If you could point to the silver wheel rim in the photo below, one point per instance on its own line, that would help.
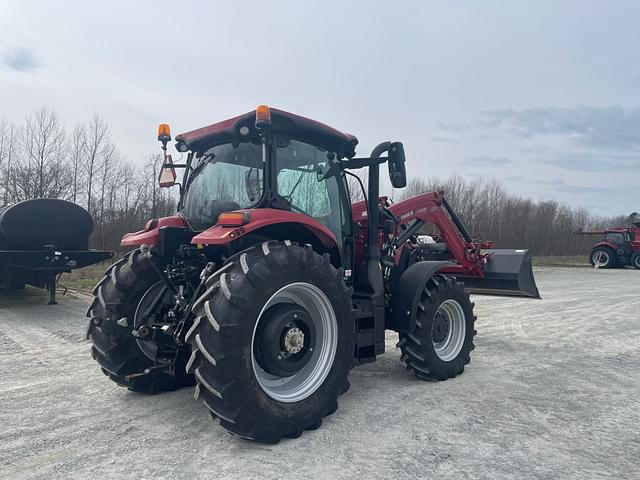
(601, 258)
(450, 347)
(309, 378)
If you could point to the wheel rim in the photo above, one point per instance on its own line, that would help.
(449, 330)
(321, 351)
(159, 295)
(601, 258)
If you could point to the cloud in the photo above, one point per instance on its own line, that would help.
(20, 59)
(452, 126)
(612, 127)
(562, 186)
(486, 162)
(441, 139)
(586, 162)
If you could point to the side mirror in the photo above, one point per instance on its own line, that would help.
(253, 184)
(167, 177)
(397, 169)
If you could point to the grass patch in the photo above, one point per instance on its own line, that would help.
(84, 279)
(576, 261)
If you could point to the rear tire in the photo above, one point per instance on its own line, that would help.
(635, 260)
(117, 297)
(603, 257)
(442, 342)
(239, 338)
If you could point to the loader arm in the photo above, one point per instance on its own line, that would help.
(432, 208)
(485, 270)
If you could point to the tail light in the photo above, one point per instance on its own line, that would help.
(234, 219)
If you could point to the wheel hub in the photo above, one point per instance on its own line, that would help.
(285, 340)
(294, 340)
(154, 313)
(441, 327)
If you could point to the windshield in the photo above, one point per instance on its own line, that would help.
(226, 178)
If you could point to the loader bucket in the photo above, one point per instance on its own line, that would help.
(508, 273)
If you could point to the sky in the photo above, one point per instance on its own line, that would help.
(544, 95)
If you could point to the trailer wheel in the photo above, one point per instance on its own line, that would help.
(603, 257)
(635, 260)
(442, 342)
(273, 341)
(118, 295)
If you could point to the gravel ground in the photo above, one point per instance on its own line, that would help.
(552, 392)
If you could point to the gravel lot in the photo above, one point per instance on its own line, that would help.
(552, 392)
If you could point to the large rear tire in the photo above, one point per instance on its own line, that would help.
(119, 354)
(273, 341)
(442, 342)
(603, 257)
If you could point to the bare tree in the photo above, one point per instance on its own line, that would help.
(8, 140)
(96, 139)
(77, 149)
(40, 167)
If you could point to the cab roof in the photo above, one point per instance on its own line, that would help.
(290, 124)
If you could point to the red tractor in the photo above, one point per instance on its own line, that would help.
(619, 247)
(268, 286)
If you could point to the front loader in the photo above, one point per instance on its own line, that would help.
(268, 286)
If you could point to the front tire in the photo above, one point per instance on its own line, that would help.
(635, 260)
(442, 342)
(273, 341)
(117, 298)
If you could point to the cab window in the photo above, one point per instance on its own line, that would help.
(300, 169)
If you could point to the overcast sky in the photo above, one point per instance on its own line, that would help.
(544, 95)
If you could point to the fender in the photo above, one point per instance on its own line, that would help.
(610, 245)
(407, 292)
(150, 234)
(265, 217)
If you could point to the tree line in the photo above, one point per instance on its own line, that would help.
(490, 212)
(42, 158)
(546, 228)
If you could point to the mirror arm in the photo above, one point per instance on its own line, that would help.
(361, 162)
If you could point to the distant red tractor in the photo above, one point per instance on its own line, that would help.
(620, 246)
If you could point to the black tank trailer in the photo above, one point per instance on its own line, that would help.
(41, 238)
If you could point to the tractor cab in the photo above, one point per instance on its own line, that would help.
(268, 162)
